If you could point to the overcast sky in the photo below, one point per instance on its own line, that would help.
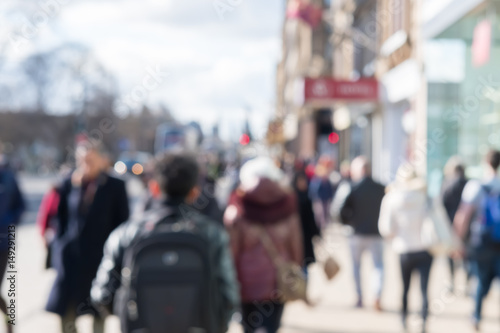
(218, 63)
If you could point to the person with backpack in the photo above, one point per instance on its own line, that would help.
(264, 227)
(169, 269)
(361, 210)
(12, 207)
(404, 209)
(477, 222)
(90, 205)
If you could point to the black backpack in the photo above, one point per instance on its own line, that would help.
(167, 283)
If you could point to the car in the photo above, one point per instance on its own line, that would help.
(132, 162)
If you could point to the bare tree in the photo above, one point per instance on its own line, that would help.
(37, 69)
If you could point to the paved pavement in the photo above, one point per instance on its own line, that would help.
(334, 312)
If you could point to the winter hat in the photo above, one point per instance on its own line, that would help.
(261, 167)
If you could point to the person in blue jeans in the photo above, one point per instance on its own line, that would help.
(321, 192)
(470, 224)
(361, 210)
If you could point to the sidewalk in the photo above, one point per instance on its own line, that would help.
(334, 312)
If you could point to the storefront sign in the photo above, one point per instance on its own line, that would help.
(330, 90)
(481, 43)
(402, 82)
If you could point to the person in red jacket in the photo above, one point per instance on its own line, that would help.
(262, 204)
(47, 213)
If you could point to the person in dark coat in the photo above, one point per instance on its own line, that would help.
(451, 196)
(92, 204)
(309, 227)
(11, 209)
(321, 192)
(361, 211)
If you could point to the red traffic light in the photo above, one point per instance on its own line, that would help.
(244, 139)
(333, 138)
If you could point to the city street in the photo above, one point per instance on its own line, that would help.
(334, 312)
(384, 113)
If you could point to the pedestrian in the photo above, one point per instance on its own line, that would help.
(205, 204)
(404, 209)
(477, 222)
(342, 182)
(321, 193)
(186, 280)
(261, 204)
(47, 221)
(361, 210)
(12, 207)
(309, 227)
(91, 205)
(451, 195)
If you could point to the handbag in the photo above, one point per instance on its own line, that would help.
(290, 279)
(437, 234)
(331, 268)
(330, 265)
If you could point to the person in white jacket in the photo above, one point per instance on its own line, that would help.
(404, 209)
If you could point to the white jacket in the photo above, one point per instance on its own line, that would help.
(403, 211)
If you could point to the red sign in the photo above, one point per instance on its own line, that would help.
(328, 89)
(481, 43)
(307, 12)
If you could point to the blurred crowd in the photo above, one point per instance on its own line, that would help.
(189, 259)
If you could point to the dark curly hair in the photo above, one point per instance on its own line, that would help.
(177, 174)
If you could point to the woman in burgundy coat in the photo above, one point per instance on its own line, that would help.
(262, 204)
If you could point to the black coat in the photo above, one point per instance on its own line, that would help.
(361, 208)
(78, 248)
(452, 195)
(307, 220)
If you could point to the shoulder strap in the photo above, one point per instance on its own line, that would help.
(268, 244)
(160, 215)
(154, 218)
(486, 189)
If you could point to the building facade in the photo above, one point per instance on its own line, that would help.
(463, 83)
(365, 42)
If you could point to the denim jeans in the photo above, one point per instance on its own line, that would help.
(487, 267)
(321, 210)
(375, 245)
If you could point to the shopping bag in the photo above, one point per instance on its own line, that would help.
(437, 233)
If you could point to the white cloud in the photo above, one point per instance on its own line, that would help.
(216, 66)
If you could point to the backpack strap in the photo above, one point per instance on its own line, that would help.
(157, 216)
(486, 188)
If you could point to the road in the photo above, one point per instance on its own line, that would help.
(333, 313)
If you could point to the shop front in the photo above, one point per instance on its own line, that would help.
(464, 89)
(340, 114)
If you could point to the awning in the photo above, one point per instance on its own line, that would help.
(453, 12)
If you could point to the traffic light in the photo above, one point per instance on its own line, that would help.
(244, 139)
(333, 138)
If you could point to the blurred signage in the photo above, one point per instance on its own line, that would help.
(393, 43)
(330, 90)
(402, 82)
(304, 11)
(275, 132)
(481, 43)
